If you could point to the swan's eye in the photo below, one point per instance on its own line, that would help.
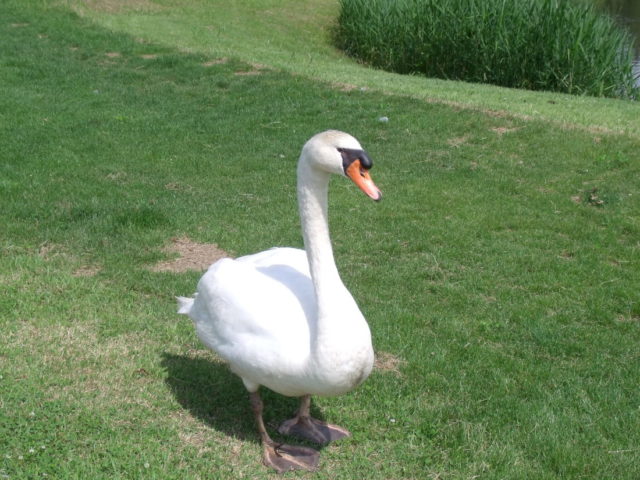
(350, 155)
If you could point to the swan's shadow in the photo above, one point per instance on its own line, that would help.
(217, 397)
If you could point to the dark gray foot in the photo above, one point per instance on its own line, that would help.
(313, 430)
(284, 458)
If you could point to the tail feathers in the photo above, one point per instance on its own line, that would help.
(184, 305)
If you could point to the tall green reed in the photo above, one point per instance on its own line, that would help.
(555, 45)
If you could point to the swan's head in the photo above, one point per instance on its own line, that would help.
(340, 153)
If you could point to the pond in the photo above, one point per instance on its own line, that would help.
(627, 14)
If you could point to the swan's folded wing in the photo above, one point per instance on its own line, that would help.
(255, 316)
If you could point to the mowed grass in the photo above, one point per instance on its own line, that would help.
(296, 36)
(499, 274)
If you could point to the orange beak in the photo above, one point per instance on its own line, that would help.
(362, 179)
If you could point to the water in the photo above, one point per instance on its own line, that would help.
(627, 14)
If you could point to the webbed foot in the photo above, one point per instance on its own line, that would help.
(313, 430)
(284, 458)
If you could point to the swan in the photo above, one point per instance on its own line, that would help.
(283, 319)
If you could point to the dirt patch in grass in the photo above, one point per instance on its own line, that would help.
(594, 129)
(628, 318)
(217, 61)
(248, 73)
(388, 362)
(192, 256)
(502, 130)
(256, 69)
(120, 6)
(46, 250)
(86, 271)
(178, 187)
(116, 176)
(458, 141)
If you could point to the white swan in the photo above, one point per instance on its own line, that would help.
(282, 318)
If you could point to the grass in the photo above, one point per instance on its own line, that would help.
(500, 271)
(537, 44)
(294, 36)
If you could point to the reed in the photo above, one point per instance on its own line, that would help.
(551, 45)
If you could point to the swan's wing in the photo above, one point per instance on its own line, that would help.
(257, 311)
(291, 257)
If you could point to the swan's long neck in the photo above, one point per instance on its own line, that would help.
(313, 186)
(341, 351)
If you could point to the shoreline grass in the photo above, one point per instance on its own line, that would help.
(499, 272)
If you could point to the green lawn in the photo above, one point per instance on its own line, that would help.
(500, 274)
(294, 36)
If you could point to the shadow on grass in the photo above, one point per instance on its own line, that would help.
(216, 396)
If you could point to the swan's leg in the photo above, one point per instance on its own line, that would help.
(305, 426)
(281, 457)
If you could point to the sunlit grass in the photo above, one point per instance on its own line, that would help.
(295, 36)
(499, 273)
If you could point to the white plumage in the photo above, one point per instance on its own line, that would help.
(282, 318)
